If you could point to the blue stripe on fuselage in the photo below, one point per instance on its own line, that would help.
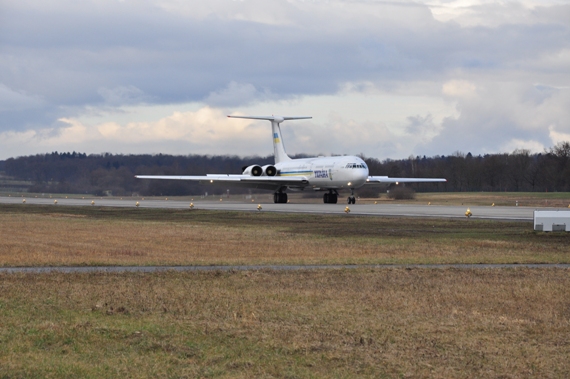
(296, 173)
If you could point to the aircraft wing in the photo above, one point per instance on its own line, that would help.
(386, 179)
(248, 181)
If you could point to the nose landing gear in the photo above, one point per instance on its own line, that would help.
(351, 199)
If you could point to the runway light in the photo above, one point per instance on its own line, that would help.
(55, 201)
(429, 202)
(375, 202)
(259, 207)
(191, 205)
(211, 181)
(349, 184)
(220, 199)
(468, 213)
(347, 210)
(493, 204)
(137, 204)
(24, 201)
(92, 202)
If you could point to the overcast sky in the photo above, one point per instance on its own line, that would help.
(387, 79)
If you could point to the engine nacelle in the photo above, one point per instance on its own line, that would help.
(253, 170)
(269, 170)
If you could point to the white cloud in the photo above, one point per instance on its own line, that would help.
(518, 144)
(557, 136)
(207, 126)
(491, 13)
(458, 88)
(206, 131)
(388, 79)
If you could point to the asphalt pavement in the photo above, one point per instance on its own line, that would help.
(380, 209)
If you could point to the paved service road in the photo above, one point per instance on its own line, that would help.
(121, 269)
(441, 211)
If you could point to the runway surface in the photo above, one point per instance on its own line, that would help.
(381, 209)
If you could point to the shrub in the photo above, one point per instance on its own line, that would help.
(401, 193)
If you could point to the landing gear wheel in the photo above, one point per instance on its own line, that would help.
(330, 198)
(279, 197)
(351, 200)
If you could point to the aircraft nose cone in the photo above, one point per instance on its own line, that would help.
(360, 178)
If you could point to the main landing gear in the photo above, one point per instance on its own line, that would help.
(279, 197)
(331, 197)
(351, 199)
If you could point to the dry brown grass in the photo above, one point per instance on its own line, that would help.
(503, 323)
(89, 236)
(524, 199)
(328, 323)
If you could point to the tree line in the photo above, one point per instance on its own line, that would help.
(102, 174)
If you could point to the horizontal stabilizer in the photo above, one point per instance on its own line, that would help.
(278, 119)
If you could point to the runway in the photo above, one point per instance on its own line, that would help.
(381, 209)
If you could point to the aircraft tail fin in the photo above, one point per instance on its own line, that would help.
(278, 147)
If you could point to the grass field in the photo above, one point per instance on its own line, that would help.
(393, 323)
(510, 323)
(523, 199)
(43, 235)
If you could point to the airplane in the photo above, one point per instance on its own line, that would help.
(329, 174)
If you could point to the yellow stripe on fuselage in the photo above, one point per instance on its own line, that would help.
(296, 173)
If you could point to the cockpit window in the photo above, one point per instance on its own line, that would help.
(355, 165)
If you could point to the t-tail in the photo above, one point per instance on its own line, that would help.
(278, 148)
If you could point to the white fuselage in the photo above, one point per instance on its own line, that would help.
(327, 172)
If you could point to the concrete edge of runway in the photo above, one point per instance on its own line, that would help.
(152, 269)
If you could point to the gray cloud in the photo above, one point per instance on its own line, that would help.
(59, 57)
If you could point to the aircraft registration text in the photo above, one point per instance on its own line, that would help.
(321, 174)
